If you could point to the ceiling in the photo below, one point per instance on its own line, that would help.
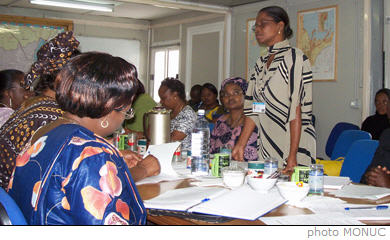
(142, 9)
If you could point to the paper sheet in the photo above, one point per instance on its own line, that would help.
(183, 198)
(243, 203)
(204, 182)
(164, 153)
(321, 204)
(362, 191)
(333, 182)
(334, 218)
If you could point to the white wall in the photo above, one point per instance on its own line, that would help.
(97, 27)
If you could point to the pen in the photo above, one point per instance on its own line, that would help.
(204, 200)
(379, 207)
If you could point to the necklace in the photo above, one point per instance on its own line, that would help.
(234, 123)
(181, 108)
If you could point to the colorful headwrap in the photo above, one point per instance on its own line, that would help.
(52, 56)
(237, 80)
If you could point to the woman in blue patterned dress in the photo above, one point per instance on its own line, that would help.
(228, 127)
(69, 174)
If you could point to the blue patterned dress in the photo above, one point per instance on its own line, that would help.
(70, 176)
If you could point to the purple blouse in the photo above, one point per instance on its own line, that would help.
(223, 134)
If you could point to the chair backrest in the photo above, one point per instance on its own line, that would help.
(9, 210)
(345, 141)
(335, 133)
(358, 158)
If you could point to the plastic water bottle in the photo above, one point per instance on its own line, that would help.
(270, 166)
(316, 179)
(200, 141)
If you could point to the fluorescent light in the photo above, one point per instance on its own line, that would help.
(75, 4)
(161, 6)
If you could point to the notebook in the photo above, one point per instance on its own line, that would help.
(242, 203)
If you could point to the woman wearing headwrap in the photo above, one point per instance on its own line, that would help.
(36, 111)
(228, 127)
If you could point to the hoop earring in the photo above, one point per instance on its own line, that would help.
(104, 124)
(10, 102)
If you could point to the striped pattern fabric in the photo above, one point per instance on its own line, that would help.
(286, 84)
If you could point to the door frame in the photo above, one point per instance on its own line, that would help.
(198, 30)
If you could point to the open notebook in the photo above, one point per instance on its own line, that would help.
(243, 202)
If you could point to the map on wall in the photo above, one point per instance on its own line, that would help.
(317, 38)
(253, 50)
(20, 41)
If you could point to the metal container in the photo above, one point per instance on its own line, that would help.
(157, 125)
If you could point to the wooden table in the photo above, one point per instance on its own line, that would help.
(148, 191)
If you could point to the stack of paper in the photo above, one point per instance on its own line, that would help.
(368, 214)
(362, 191)
(333, 182)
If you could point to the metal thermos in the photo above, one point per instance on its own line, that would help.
(157, 125)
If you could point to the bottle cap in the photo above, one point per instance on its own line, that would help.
(201, 112)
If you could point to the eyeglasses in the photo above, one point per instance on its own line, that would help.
(233, 94)
(129, 114)
(381, 102)
(263, 23)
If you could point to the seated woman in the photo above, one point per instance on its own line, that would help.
(209, 96)
(11, 93)
(375, 124)
(183, 117)
(195, 97)
(143, 103)
(39, 110)
(228, 127)
(71, 174)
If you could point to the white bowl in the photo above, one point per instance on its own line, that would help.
(261, 184)
(292, 191)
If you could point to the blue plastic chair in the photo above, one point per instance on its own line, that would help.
(358, 158)
(345, 140)
(10, 213)
(335, 133)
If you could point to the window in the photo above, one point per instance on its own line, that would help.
(165, 63)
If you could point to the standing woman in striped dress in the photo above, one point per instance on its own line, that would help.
(279, 96)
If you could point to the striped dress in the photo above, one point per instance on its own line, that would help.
(286, 84)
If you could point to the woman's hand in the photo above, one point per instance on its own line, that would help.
(378, 177)
(151, 165)
(239, 148)
(131, 158)
(238, 152)
(291, 163)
